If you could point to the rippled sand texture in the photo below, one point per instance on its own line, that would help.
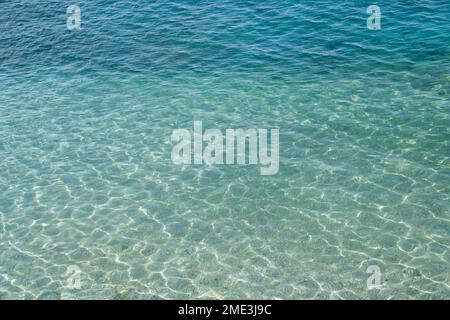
(86, 177)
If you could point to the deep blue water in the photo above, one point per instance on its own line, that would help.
(86, 177)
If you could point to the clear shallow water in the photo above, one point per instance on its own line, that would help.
(86, 177)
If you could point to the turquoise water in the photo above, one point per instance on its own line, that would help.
(86, 177)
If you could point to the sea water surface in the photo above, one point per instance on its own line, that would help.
(86, 177)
